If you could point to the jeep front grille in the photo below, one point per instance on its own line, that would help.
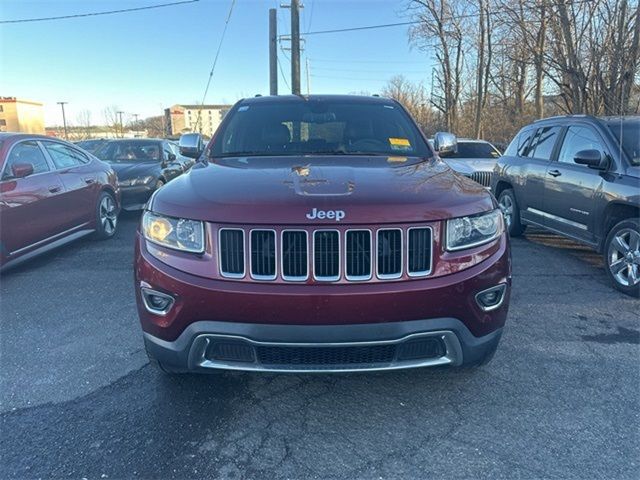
(326, 255)
(483, 178)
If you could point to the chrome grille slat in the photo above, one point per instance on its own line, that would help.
(295, 256)
(419, 251)
(358, 255)
(326, 255)
(263, 254)
(483, 178)
(389, 253)
(231, 257)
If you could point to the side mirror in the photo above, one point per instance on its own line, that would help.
(445, 143)
(191, 145)
(172, 157)
(591, 158)
(21, 170)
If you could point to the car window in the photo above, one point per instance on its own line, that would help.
(542, 145)
(129, 151)
(64, 156)
(579, 138)
(475, 150)
(524, 140)
(628, 135)
(26, 152)
(334, 127)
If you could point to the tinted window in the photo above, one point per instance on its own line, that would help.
(319, 127)
(130, 151)
(524, 140)
(63, 156)
(628, 133)
(28, 153)
(475, 150)
(543, 143)
(578, 138)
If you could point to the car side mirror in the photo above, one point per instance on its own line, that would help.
(591, 158)
(21, 170)
(191, 145)
(445, 143)
(172, 157)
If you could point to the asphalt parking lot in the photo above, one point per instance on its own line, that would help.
(79, 399)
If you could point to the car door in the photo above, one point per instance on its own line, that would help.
(570, 188)
(530, 185)
(79, 180)
(30, 207)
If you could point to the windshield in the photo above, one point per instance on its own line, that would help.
(475, 150)
(628, 133)
(319, 127)
(129, 151)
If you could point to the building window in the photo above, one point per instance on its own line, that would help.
(3, 122)
(1, 108)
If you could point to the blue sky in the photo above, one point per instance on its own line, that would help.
(144, 61)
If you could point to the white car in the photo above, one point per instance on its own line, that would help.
(472, 158)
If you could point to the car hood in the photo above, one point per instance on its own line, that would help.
(470, 165)
(127, 171)
(283, 190)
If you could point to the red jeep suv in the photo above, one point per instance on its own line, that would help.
(320, 233)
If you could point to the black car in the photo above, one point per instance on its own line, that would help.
(142, 166)
(91, 145)
(578, 176)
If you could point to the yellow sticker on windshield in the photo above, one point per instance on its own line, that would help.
(399, 143)
(396, 159)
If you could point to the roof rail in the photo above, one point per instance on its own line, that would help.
(573, 115)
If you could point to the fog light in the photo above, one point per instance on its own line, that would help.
(491, 298)
(156, 302)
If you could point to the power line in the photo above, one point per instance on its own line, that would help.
(215, 60)
(444, 19)
(284, 77)
(94, 14)
(368, 71)
(325, 60)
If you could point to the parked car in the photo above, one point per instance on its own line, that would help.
(185, 162)
(475, 159)
(578, 176)
(51, 192)
(142, 165)
(320, 233)
(91, 145)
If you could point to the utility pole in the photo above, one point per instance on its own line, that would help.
(295, 47)
(273, 52)
(64, 120)
(121, 126)
(306, 61)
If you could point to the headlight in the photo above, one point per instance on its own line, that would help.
(467, 232)
(176, 233)
(136, 181)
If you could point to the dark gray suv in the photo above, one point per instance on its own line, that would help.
(578, 176)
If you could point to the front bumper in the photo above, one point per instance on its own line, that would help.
(136, 197)
(208, 346)
(323, 321)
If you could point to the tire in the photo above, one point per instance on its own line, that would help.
(622, 256)
(106, 216)
(509, 206)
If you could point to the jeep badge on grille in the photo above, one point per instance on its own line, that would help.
(337, 215)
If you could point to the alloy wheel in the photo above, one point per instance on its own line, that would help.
(108, 215)
(506, 205)
(624, 257)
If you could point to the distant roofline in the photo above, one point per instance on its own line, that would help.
(202, 107)
(18, 100)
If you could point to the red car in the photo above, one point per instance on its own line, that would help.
(51, 192)
(320, 233)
